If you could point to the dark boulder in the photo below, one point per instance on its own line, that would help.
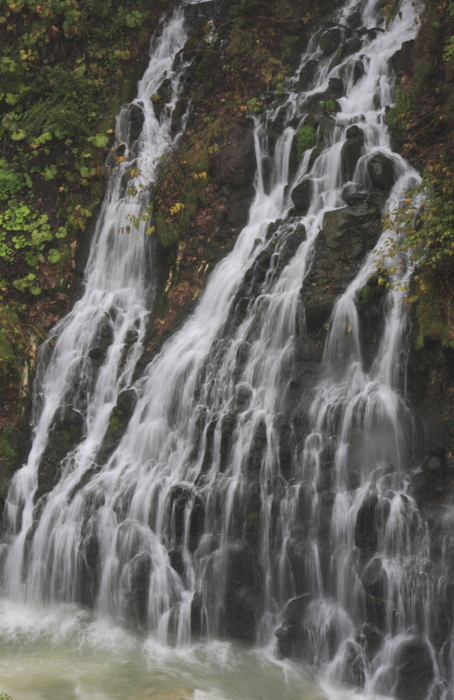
(199, 11)
(335, 88)
(162, 96)
(352, 196)
(330, 40)
(351, 151)
(302, 195)
(242, 600)
(355, 20)
(102, 341)
(257, 449)
(381, 171)
(415, 669)
(136, 121)
(402, 60)
(354, 664)
(374, 582)
(65, 433)
(292, 635)
(326, 128)
(236, 163)
(136, 596)
(307, 75)
(119, 419)
(239, 204)
(358, 70)
(347, 235)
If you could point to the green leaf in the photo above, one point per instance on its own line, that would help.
(19, 135)
(100, 140)
(53, 256)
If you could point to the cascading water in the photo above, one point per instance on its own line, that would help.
(254, 489)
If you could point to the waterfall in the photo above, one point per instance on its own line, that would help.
(260, 489)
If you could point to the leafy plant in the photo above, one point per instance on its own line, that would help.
(305, 138)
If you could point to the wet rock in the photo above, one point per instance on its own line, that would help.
(350, 47)
(243, 396)
(65, 433)
(354, 671)
(102, 342)
(355, 20)
(199, 11)
(402, 60)
(257, 449)
(138, 588)
(352, 196)
(366, 533)
(374, 583)
(313, 118)
(276, 127)
(302, 195)
(126, 402)
(330, 40)
(198, 618)
(307, 75)
(119, 419)
(136, 121)
(239, 204)
(347, 235)
(236, 164)
(335, 88)
(242, 599)
(358, 70)
(381, 172)
(177, 561)
(326, 128)
(373, 637)
(286, 445)
(415, 669)
(351, 151)
(228, 425)
(162, 96)
(89, 568)
(370, 301)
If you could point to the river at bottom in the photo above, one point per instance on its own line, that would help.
(63, 653)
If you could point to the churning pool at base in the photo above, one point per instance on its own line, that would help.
(63, 653)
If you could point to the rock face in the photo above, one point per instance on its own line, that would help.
(415, 670)
(351, 151)
(347, 235)
(236, 163)
(302, 195)
(381, 172)
(136, 120)
(330, 40)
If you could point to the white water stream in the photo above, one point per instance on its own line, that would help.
(188, 528)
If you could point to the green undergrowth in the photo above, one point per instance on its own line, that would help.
(66, 66)
(422, 123)
(427, 238)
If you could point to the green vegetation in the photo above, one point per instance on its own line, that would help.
(66, 66)
(422, 122)
(429, 241)
(305, 138)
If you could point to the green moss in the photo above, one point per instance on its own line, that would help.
(114, 426)
(7, 453)
(330, 106)
(399, 117)
(367, 294)
(305, 138)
